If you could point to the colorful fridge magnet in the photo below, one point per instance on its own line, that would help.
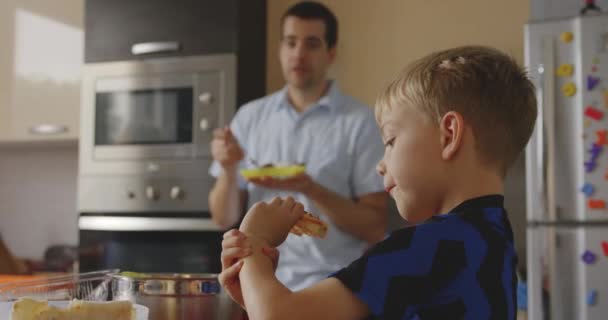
(592, 82)
(595, 151)
(593, 113)
(592, 297)
(589, 257)
(596, 204)
(565, 70)
(602, 137)
(589, 166)
(605, 248)
(566, 37)
(596, 60)
(605, 96)
(593, 68)
(587, 189)
(569, 89)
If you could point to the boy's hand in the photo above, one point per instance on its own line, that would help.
(236, 246)
(272, 221)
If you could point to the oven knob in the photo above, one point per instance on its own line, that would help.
(176, 193)
(152, 193)
(204, 124)
(205, 98)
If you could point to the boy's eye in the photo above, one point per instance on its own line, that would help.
(389, 142)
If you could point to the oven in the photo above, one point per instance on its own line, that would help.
(144, 154)
(174, 243)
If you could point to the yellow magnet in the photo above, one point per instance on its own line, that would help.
(569, 89)
(565, 70)
(566, 37)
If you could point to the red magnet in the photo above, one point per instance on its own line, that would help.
(596, 204)
(602, 137)
(593, 113)
(605, 248)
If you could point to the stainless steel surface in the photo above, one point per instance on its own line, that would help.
(177, 296)
(155, 47)
(126, 193)
(101, 223)
(561, 228)
(48, 129)
(142, 177)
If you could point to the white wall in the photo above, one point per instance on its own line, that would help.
(38, 197)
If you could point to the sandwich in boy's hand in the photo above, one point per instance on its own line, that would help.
(310, 225)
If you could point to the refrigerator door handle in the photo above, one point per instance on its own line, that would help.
(541, 245)
(545, 139)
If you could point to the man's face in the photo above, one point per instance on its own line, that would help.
(303, 52)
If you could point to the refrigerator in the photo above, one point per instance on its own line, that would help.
(567, 170)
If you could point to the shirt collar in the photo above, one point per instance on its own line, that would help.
(331, 100)
(489, 201)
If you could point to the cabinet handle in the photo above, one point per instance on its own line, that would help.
(45, 129)
(155, 47)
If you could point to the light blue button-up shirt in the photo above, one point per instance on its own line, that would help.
(340, 144)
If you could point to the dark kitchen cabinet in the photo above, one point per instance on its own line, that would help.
(188, 27)
(199, 26)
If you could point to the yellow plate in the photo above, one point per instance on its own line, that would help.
(274, 172)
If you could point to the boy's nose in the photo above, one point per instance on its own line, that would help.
(381, 168)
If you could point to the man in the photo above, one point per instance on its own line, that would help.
(309, 121)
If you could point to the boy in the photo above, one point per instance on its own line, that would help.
(452, 124)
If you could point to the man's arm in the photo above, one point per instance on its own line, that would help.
(226, 200)
(365, 217)
(266, 298)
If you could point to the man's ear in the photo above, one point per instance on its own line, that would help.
(451, 132)
(332, 54)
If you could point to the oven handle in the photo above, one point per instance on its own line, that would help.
(146, 224)
(155, 47)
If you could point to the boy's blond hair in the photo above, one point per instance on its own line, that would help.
(489, 89)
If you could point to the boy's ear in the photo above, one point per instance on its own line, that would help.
(451, 132)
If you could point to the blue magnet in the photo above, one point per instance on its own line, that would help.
(587, 189)
(592, 297)
(589, 166)
(592, 82)
(589, 257)
(595, 151)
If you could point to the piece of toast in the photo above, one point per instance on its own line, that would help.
(310, 225)
(29, 309)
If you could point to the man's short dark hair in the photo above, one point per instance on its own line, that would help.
(311, 10)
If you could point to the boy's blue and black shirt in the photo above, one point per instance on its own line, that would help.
(459, 265)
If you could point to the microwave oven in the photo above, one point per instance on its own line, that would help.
(146, 129)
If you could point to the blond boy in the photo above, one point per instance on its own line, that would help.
(452, 124)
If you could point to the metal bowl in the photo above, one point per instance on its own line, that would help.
(177, 296)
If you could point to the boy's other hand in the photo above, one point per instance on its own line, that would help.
(272, 221)
(225, 149)
(236, 246)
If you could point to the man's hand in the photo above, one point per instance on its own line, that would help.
(225, 149)
(271, 222)
(301, 183)
(235, 247)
